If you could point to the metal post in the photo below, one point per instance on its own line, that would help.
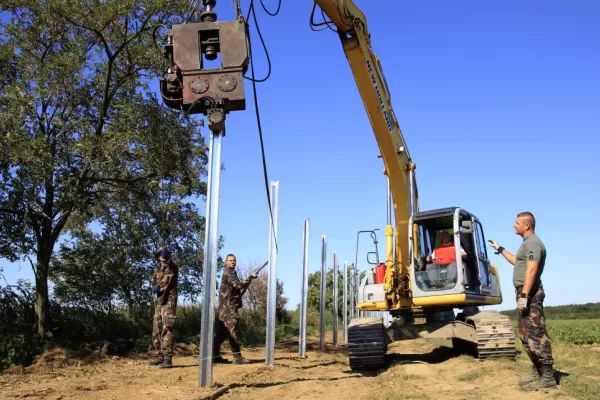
(211, 239)
(357, 312)
(323, 289)
(351, 287)
(345, 305)
(335, 300)
(272, 289)
(304, 294)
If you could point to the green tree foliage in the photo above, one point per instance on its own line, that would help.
(17, 344)
(80, 127)
(314, 290)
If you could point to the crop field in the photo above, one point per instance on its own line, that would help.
(577, 331)
(572, 331)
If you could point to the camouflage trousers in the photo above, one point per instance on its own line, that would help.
(532, 329)
(226, 327)
(162, 328)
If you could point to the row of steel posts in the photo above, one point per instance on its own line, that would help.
(349, 286)
(350, 283)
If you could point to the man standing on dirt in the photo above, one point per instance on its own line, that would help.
(529, 265)
(164, 285)
(230, 301)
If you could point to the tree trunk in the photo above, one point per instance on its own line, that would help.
(130, 306)
(42, 311)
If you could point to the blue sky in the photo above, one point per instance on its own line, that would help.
(498, 102)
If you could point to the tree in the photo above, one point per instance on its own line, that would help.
(79, 122)
(256, 295)
(314, 290)
(122, 254)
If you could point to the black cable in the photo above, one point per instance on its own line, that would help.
(257, 110)
(313, 24)
(272, 14)
(252, 11)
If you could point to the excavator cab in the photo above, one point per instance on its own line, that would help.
(467, 276)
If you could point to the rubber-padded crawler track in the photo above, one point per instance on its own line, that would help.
(367, 343)
(495, 335)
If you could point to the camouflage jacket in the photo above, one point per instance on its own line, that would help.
(230, 291)
(166, 276)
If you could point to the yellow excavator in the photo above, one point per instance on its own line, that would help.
(436, 260)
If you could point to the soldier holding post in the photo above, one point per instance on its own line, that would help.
(230, 301)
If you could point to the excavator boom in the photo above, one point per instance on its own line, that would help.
(352, 29)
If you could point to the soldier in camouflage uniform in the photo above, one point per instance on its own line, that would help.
(529, 265)
(230, 301)
(164, 285)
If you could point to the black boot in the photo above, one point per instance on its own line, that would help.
(546, 380)
(167, 363)
(156, 361)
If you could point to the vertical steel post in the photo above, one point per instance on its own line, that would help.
(351, 288)
(345, 305)
(335, 300)
(272, 288)
(211, 239)
(304, 294)
(357, 312)
(323, 289)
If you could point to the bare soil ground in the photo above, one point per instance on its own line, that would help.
(419, 369)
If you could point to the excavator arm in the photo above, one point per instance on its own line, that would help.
(192, 87)
(353, 31)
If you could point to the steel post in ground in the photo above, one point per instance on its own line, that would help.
(323, 289)
(357, 312)
(335, 300)
(272, 288)
(304, 292)
(351, 289)
(345, 305)
(211, 239)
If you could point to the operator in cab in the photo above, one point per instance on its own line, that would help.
(443, 262)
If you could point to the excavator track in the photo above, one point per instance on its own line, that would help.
(367, 343)
(495, 335)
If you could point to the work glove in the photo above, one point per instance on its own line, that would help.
(522, 303)
(496, 246)
(155, 288)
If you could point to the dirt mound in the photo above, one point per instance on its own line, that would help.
(54, 358)
(57, 358)
(186, 349)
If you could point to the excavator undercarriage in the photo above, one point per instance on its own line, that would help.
(484, 335)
